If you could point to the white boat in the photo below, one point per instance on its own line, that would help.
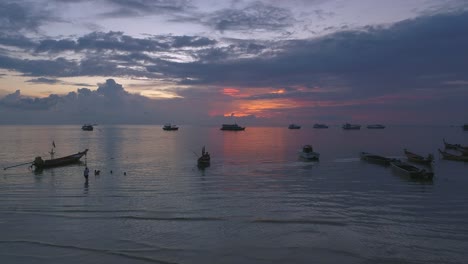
(320, 126)
(376, 126)
(351, 126)
(308, 153)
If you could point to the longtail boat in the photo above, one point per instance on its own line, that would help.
(457, 147)
(411, 171)
(413, 157)
(376, 158)
(205, 159)
(450, 156)
(39, 163)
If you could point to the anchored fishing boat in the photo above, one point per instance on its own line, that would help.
(232, 127)
(411, 171)
(39, 163)
(413, 157)
(348, 126)
(204, 160)
(87, 127)
(294, 126)
(450, 156)
(376, 158)
(307, 153)
(170, 127)
(458, 147)
(320, 126)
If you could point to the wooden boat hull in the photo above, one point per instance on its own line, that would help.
(292, 126)
(320, 126)
(231, 127)
(170, 128)
(376, 159)
(42, 164)
(449, 156)
(411, 171)
(418, 158)
(351, 127)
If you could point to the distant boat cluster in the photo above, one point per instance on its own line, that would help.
(412, 171)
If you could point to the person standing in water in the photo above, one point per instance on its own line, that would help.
(86, 173)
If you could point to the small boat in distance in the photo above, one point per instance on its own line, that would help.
(465, 127)
(376, 126)
(232, 127)
(411, 171)
(376, 158)
(39, 163)
(349, 126)
(204, 160)
(320, 126)
(450, 156)
(169, 127)
(294, 126)
(87, 127)
(308, 153)
(413, 157)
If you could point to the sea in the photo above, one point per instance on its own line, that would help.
(256, 203)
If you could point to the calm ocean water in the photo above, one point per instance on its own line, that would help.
(256, 203)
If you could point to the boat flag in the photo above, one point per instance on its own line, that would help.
(53, 143)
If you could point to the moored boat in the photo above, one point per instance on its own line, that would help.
(308, 153)
(411, 171)
(232, 127)
(87, 127)
(413, 157)
(294, 126)
(376, 158)
(170, 127)
(458, 147)
(39, 163)
(320, 126)
(376, 126)
(204, 160)
(465, 127)
(349, 126)
(450, 156)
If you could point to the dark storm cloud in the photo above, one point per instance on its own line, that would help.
(373, 60)
(44, 80)
(118, 41)
(15, 40)
(130, 8)
(256, 15)
(17, 15)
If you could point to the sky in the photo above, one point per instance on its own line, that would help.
(257, 63)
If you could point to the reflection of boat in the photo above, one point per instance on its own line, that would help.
(450, 156)
(39, 163)
(87, 127)
(232, 127)
(294, 126)
(376, 126)
(418, 158)
(204, 159)
(376, 158)
(308, 153)
(411, 171)
(348, 126)
(169, 127)
(320, 126)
